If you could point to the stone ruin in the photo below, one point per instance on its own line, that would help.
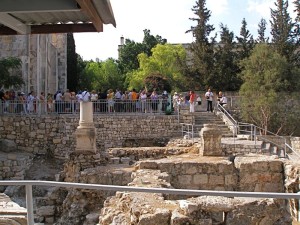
(180, 165)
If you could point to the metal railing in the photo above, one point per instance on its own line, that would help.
(255, 133)
(29, 197)
(114, 106)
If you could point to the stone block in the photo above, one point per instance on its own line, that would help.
(179, 219)
(276, 166)
(45, 211)
(187, 207)
(231, 180)
(216, 180)
(148, 165)
(200, 179)
(115, 160)
(184, 180)
(125, 160)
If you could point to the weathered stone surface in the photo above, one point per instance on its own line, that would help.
(46, 210)
(58, 132)
(10, 212)
(8, 145)
(210, 141)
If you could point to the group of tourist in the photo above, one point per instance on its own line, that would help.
(68, 101)
(194, 99)
(107, 101)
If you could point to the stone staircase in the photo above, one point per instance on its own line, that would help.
(202, 118)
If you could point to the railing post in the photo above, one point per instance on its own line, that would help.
(29, 204)
(178, 113)
(255, 135)
(284, 147)
(193, 133)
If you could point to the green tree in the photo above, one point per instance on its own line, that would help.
(245, 41)
(151, 41)
(261, 31)
(128, 60)
(266, 79)
(203, 47)
(83, 81)
(104, 75)
(128, 55)
(157, 82)
(162, 61)
(281, 30)
(226, 68)
(296, 32)
(10, 74)
(72, 77)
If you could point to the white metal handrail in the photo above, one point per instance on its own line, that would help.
(29, 183)
(253, 131)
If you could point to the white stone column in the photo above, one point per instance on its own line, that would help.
(86, 131)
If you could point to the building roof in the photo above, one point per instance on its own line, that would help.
(54, 16)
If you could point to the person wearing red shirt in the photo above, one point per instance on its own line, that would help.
(192, 101)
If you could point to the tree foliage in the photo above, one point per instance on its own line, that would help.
(262, 32)
(245, 41)
(281, 30)
(203, 47)
(104, 75)
(83, 80)
(10, 74)
(266, 77)
(72, 74)
(163, 61)
(128, 55)
(226, 67)
(157, 82)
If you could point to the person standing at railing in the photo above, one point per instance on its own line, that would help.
(117, 98)
(209, 99)
(192, 101)
(6, 101)
(30, 102)
(110, 100)
(165, 97)
(102, 99)
(143, 99)
(2, 101)
(49, 103)
(94, 99)
(58, 102)
(154, 101)
(66, 101)
(42, 103)
(223, 101)
(175, 101)
(133, 96)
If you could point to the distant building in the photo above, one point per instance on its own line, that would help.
(44, 60)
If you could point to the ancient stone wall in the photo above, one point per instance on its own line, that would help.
(259, 174)
(54, 135)
(13, 165)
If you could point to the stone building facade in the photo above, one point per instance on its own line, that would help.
(44, 60)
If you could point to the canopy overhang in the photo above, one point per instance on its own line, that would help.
(54, 16)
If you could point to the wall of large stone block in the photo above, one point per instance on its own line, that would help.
(252, 174)
(13, 165)
(55, 135)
